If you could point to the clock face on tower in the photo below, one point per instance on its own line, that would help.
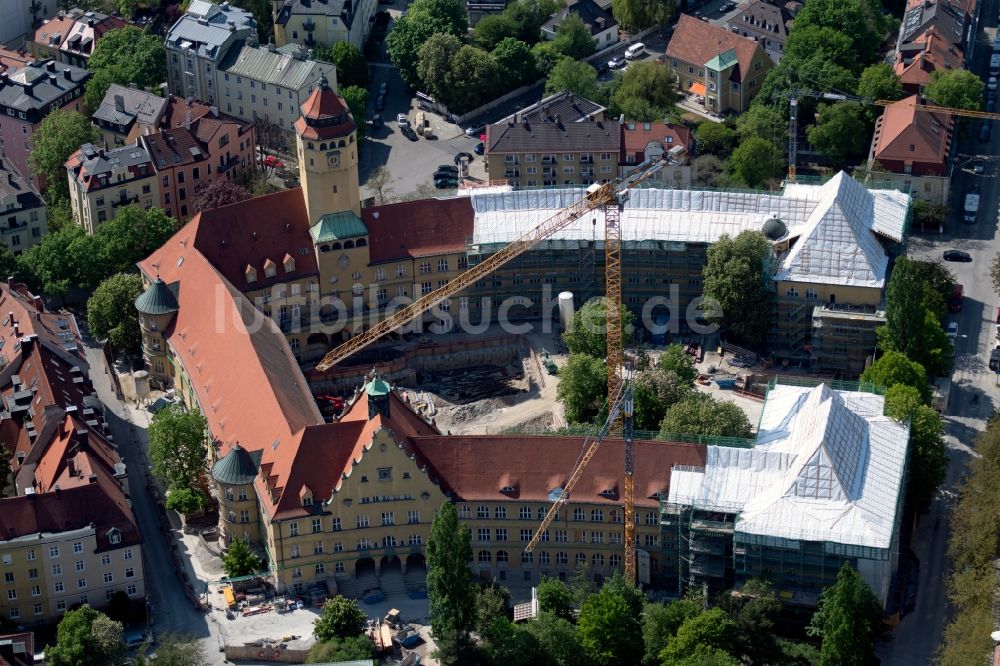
(333, 159)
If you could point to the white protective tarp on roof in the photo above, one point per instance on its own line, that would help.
(832, 222)
(827, 467)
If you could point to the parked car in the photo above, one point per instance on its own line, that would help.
(952, 331)
(450, 168)
(984, 132)
(408, 132)
(380, 103)
(602, 68)
(402, 120)
(475, 130)
(383, 89)
(957, 255)
(480, 148)
(978, 167)
(635, 51)
(445, 183)
(273, 162)
(727, 7)
(991, 83)
(617, 62)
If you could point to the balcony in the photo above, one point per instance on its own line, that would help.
(548, 160)
(309, 41)
(587, 159)
(125, 201)
(309, 25)
(512, 173)
(227, 165)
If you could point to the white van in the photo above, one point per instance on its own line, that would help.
(634, 51)
(995, 64)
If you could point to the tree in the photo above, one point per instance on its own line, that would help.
(130, 237)
(709, 171)
(735, 278)
(123, 56)
(573, 38)
(938, 283)
(423, 19)
(352, 68)
(956, 88)
(928, 457)
(347, 649)
(111, 313)
(185, 501)
(648, 82)
(848, 620)
(516, 64)
(879, 81)
(529, 15)
(763, 122)
(929, 215)
(582, 387)
(177, 446)
(753, 612)
(559, 640)
(474, 78)
(840, 132)
(449, 586)
(434, 67)
(715, 138)
(492, 605)
(701, 414)
(660, 623)
(676, 360)
(508, 644)
(239, 560)
(914, 307)
(587, 333)
(64, 259)
(379, 184)
(58, 136)
(341, 618)
(175, 650)
(893, 368)
(218, 192)
(654, 390)
(610, 625)
(493, 29)
(357, 102)
(636, 15)
(755, 161)
(87, 637)
(554, 597)
(864, 21)
(710, 631)
(575, 76)
(806, 42)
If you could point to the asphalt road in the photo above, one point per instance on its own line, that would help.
(974, 393)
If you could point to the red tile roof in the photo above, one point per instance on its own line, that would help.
(420, 228)
(13, 59)
(905, 134)
(914, 67)
(324, 115)
(696, 42)
(636, 136)
(60, 25)
(174, 147)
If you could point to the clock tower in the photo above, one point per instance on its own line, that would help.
(326, 142)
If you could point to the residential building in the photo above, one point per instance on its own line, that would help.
(29, 94)
(101, 182)
(22, 210)
(313, 23)
(919, 58)
(602, 25)
(126, 113)
(570, 107)
(198, 42)
(19, 18)
(950, 19)
(552, 152)
(267, 85)
(70, 534)
(821, 487)
(78, 45)
(645, 142)
(913, 150)
(11, 60)
(17, 649)
(49, 37)
(768, 24)
(724, 69)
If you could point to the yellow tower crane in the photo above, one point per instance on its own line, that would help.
(609, 197)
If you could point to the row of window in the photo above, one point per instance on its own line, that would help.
(579, 514)
(39, 609)
(388, 541)
(544, 558)
(388, 518)
(60, 587)
(483, 534)
(55, 551)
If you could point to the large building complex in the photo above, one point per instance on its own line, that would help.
(70, 535)
(314, 23)
(22, 220)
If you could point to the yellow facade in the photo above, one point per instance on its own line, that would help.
(329, 175)
(93, 208)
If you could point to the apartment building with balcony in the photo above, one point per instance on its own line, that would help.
(102, 182)
(29, 94)
(313, 23)
(22, 210)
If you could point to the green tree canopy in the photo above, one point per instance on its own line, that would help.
(516, 64)
(341, 618)
(715, 138)
(808, 41)
(434, 68)
(928, 457)
(701, 414)
(185, 501)
(864, 21)
(735, 278)
(352, 68)
(530, 15)
(87, 637)
(493, 29)
(915, 299)
(558, 639)
(879, 81)
(573, 38)
(131, 236)
(575, 76)
(335, 651)
(893, 368)
(753, 612)
(654, 390)
(660, 623)
(610, 625)
(705, 633)
(492, 605)
(474, 78)
(848, 620)
(449, 586)
(503, 642)
(218, 192)
(554, 597)
(648, 82)
(636, 15)
(676, 360)
(956, 88)
(423, 19)
(840, 132)
(356, 99)
(240, 560)
(175, 650)
(111, 313)
(63, 260)
(587, 333)
(763, 122)
(756, 161)
(123, 56)
(583, 387)
(58, 136)
(177, 446)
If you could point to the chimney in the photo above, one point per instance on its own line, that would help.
(81, 437)
(119, 104)
(37, 302)
(51, 66)
(71, 466)
(68, 74)
(92, 478)
(187, 119)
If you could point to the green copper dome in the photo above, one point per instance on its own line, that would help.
(774, 229)
(377, 386)
(236, 468)
(158, 299)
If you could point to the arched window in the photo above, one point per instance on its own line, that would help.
(348, 245)
(581, 559)
(526, 557)
(341, 143)
(322, 146)
(597, 560)
(361, 242)
(311, 145)
(484, 556)
(502, 556)
(335, 246)
(561, 558)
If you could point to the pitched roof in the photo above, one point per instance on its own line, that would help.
(238, 467)
(205, 28)
(570, 107)
(697, 42)
(157, 299)
(344, 10)
(324, 114)
(288, 66)
(592, 14)
(947, 17)
(174, 147)
(87, 30)
(21, 190)
(338, 226)
(918, 59)
(553, 136)
(93, 167)
(135, 105)
(637, 136)
(10, 59)
(906, 134)
(764, 17)
(39, 84)
(421, 228)
(54, 31)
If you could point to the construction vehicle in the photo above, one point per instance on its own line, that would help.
(793, 116)
(610, 197)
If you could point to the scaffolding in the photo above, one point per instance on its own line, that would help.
(700, 542)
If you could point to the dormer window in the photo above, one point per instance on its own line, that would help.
(307, 501)
(289, 263)
(251, 274)
(270, 268)
(114, 535)
(508, 490)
